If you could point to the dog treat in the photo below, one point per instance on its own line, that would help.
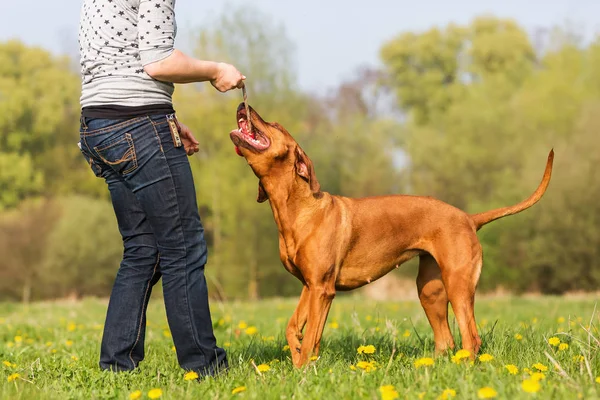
(247, 108)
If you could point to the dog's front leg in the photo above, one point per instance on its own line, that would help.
(294, 329)
(319, 302)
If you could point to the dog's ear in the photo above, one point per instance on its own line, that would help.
(305, 169)
(262, 194)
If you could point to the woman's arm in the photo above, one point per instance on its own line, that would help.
(180, 68)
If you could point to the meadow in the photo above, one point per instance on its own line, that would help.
(533, 347)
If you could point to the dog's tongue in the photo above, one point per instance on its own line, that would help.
(237, 150)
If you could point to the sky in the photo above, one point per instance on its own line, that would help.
(332, 38)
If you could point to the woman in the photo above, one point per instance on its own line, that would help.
(131, 138)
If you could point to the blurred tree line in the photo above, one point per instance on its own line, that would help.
(463, 113)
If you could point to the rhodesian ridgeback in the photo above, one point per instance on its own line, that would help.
(335, 243)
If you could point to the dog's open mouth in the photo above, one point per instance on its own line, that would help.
(242, 137)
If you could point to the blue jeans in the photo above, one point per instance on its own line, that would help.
(153, 195)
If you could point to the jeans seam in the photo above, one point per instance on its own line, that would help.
(187, 302)
(139, 332)
(115, 126)
(157, 137)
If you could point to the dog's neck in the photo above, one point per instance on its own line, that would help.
(289, 201)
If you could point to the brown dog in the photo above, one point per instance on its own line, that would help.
(335, 243)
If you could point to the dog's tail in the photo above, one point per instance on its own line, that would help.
(489, 216)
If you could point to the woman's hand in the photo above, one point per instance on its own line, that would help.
(227, 78)
(190, 144)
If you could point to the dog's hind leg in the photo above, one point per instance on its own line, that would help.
(434, 300)
(293, 333)
(460, 274)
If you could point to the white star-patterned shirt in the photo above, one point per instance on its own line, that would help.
(117, 38)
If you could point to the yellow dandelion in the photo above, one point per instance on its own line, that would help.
(251, 330)
(352, 367)
(448, 394)
(7, 364)
(74, 358)
(314, 358)
(563, 346)
(49, 344)
(540, 367)
(388, 392)
(167, 333)
(534, 320)
(578, 358)
(227, 344)
(518, 336)
(369, 318)
(369, 349)
(242, 325)
(554, 341)
(268, 338)
(71, 327)
(486, 393)
(486, 357)
(421, 395)
(560, 320)
(190, 376)
(10, 344)
(460, 355)
(263, 367)
(286, 347)
(13, 377)
(406, 333)
(155, 393)
(135, 395)
(334, 325)
(173, 348)
(424, 362)
(238, 389)
(367, 366)
(530, 386)
(68, 343)
(598, 379)
(18, 339)
(512, 369)
(537, 376)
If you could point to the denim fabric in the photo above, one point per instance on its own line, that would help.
(153, 195)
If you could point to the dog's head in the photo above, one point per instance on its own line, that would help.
(271, 151)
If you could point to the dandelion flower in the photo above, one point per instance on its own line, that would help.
(286, 347)
(68, 343)
(388, 392)
(242, 325)
(369, 318)
(49, 344)
(352, 367)
(251, 330)
(578, 358)
(540, 367)
(424, 362)
(518, 336)
(7, 364)
(486, 393)
(13, 377)
(135, 395)
(537, 376)
(369, 349)
(367, 366)
(530, 386)
(560, 320)
(74, 358)
(155, 393)
(598, 379)
(448, 394)
(190, 376)
(314, 358)
(512, 369)
(554, 341)
(334, 325)
(460, 355)
(406, 333)
(563, 346)
(238, 389)
(421, 395)
(71, 327)
(263, 367)
(486, 357)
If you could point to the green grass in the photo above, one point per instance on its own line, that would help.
(49, 368)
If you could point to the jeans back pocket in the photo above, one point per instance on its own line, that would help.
(119, 154)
